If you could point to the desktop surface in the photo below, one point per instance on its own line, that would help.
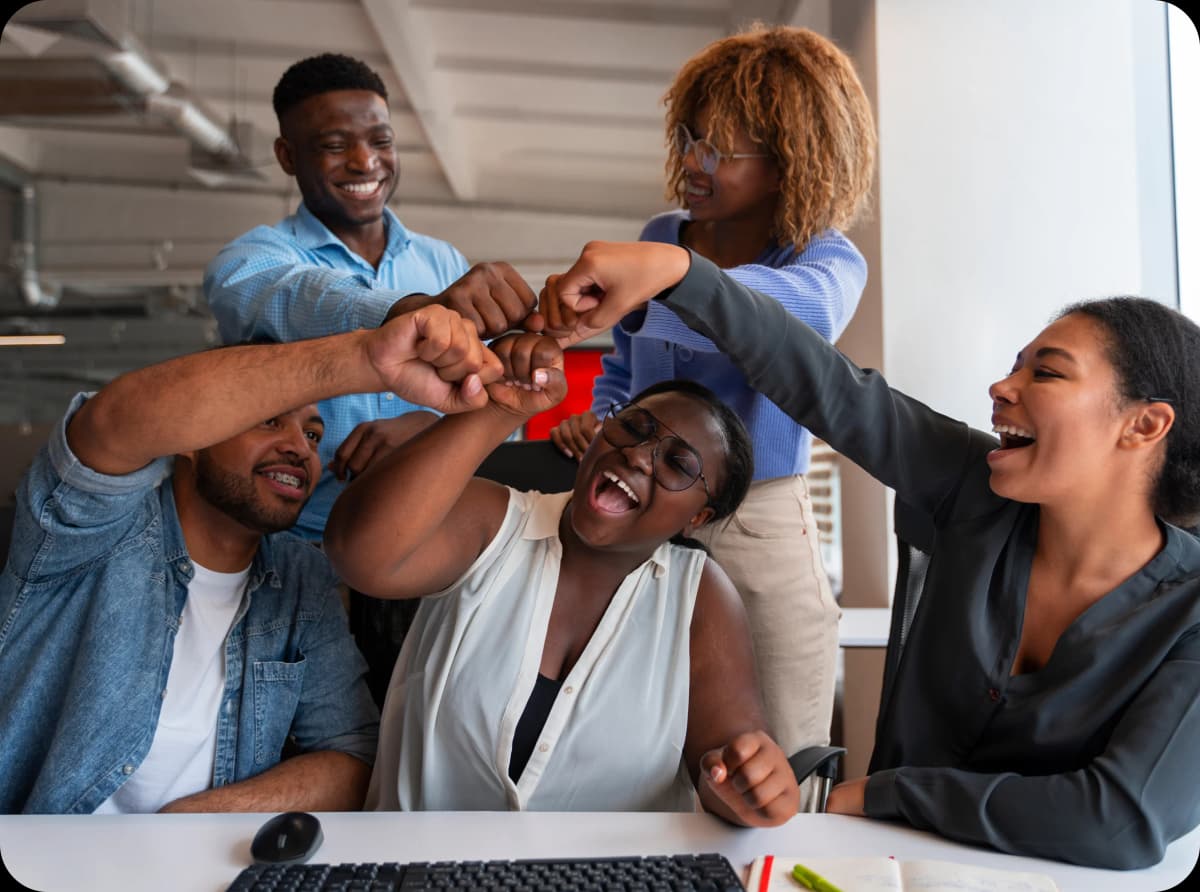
(206, 852)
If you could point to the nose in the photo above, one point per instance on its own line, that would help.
(641, 456)
(1004, 390)
(293, 440)
(690, 162)
(362, 156)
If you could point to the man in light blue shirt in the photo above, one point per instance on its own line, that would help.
(163, 637)
(344, 261)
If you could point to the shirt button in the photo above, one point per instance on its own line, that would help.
(390, 396)
(184, 566)
(568, 690)
(126, 769)
(545, 748)
(685, 354)
(993, 694)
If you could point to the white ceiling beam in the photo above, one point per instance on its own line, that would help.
(408, 43)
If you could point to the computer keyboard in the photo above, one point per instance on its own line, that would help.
(693, 873)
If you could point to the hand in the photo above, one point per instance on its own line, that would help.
(556, 319)
(433, 356)
(612, 278)
(533, 378)
(848, 798)
(573, 435)
(374, 439)
(493, 296)
(752, 777)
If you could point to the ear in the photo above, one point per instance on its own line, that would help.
(703, 516)
(1148, 426)
(283, 154)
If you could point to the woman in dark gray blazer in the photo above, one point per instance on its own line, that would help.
(1048, 698)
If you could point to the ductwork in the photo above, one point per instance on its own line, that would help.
(24, 243)
(140, 75)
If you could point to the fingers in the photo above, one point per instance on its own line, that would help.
(752, 776)
(492, 296)
(341, 458)
(573, 435)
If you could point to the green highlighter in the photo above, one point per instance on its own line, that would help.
(810, 880)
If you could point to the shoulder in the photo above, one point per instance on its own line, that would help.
(437, 250)
(830, 244)
(277, 239)
(300, 565)
(664, 227)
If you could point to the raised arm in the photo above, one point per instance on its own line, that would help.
(415, 521)
(920, 453)
(431, 356)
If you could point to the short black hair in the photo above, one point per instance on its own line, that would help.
(1155, 351)
(324, 74)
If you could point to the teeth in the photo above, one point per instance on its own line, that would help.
(622, 485)
(286, 479)
(694, 190)
(1014, 431)
(361, 188)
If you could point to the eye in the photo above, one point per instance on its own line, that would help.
(384, 142)
(684, 460)
(637, 424)
(333, 147)
(1045, 373)
(314, 435)
(272, 423)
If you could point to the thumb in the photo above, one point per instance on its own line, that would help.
(712, 765)
(469, 394)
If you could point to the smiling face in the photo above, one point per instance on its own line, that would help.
(618, 505)
(1060, 419)
(341, 149)
(740, 188)
(263, 477)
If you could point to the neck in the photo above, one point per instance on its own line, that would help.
(601, 567)
(729, 243)
(1100, 547)
(367, 240)
(214, 539)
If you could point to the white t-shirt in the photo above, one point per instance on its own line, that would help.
(613, 740)
(180, 761)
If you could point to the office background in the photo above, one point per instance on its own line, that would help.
(1026, 159)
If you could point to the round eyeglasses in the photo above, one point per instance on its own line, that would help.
(707, 155)
(674, 465)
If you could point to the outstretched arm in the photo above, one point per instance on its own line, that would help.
(431, 356)
(740, 773)
(414, 521)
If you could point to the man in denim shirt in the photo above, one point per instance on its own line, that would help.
(160, 640)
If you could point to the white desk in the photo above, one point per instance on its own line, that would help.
(864, 626)
(205, 852)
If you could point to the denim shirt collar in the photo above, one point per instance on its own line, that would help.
(313, 235)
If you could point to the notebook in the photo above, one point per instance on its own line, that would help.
(883, 874)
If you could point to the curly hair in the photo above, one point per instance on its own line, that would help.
(323, 74)
(1155, 352)
(796, 94)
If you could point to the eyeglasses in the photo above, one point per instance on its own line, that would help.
(675, 465)
(707, 155)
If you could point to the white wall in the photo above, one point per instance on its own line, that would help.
(1024, 163)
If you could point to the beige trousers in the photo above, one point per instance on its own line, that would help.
(770, 550)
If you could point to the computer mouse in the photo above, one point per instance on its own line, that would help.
(289, 838)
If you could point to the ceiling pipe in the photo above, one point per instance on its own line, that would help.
(25, 251)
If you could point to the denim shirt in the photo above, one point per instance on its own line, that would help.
(90, 602)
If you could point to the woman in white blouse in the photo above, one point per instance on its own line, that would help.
(568, 655)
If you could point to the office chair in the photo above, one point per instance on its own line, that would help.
(529, 464)
(915, 535)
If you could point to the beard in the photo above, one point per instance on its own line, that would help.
(238, 497)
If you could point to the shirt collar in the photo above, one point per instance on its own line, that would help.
(547, 513)
(312, 234)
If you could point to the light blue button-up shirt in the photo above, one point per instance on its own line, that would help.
(90, 601)
(297, 280)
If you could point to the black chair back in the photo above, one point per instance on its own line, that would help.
(530, 465)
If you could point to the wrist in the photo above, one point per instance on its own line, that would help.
(408, 303)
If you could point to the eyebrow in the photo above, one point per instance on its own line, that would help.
(315, 419)
(1054, 351)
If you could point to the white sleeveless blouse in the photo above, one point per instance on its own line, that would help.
(614, 737)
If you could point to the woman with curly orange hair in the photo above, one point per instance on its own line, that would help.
(773, 153)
